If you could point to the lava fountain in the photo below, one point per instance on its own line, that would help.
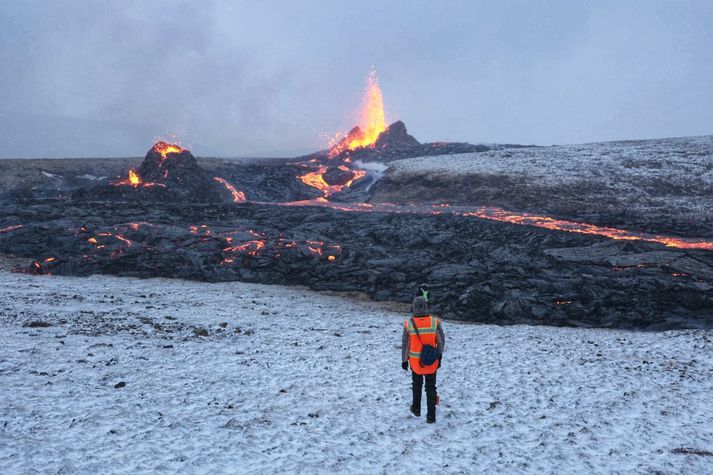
(372, 120)
(371, 117)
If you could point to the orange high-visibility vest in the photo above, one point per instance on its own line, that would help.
(427, 327)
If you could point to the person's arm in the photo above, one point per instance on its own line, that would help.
(440, 338)
(404, 346)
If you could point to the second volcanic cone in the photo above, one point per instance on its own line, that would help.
(178, 170)
(168, 174)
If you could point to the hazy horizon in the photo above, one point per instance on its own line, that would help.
(234, 79)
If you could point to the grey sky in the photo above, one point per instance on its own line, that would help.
(104, 78)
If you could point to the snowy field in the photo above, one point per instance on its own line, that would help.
(288, 380)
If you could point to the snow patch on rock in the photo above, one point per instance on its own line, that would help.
(92, 177)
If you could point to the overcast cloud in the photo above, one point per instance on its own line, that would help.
(105, 78)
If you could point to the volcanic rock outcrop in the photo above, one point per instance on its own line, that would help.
(168, 173)
(396, 138)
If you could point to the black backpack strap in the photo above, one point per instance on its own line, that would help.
(415, 327)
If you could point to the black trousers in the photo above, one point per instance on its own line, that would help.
(417, 388)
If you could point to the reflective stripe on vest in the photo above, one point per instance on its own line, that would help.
(431, 328)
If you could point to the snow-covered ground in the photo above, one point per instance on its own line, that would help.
(288, 380)
(667, 175)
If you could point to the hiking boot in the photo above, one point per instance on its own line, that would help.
(431, 419)
(415, 411)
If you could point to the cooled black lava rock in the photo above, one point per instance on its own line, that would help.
(338, 176)
(272, 181)
(478, 270)
(396, 138)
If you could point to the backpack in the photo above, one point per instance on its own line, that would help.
(429, 354)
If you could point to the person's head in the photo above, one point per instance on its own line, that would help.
(419, 307)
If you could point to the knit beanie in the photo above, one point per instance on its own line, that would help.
(419, 307)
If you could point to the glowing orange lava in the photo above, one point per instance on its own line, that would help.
(238, 196)
(165, 148)
(202, 229)
(249, 247)
(358, 174)
(135, 180)
(372, 120)
(134, 177)
(124, 240)
(498, 214)
(315, 179)
(11, 228)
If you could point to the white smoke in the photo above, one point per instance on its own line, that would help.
(375, 171)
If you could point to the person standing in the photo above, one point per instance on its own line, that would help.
(422, 345)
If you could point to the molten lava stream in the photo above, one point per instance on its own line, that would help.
(501, 215)
(498, 214)
(315, 179)
(11, 228)
(238, 196)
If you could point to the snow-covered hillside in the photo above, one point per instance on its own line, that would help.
(665, 183)
(683, 159)
(287, 380)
